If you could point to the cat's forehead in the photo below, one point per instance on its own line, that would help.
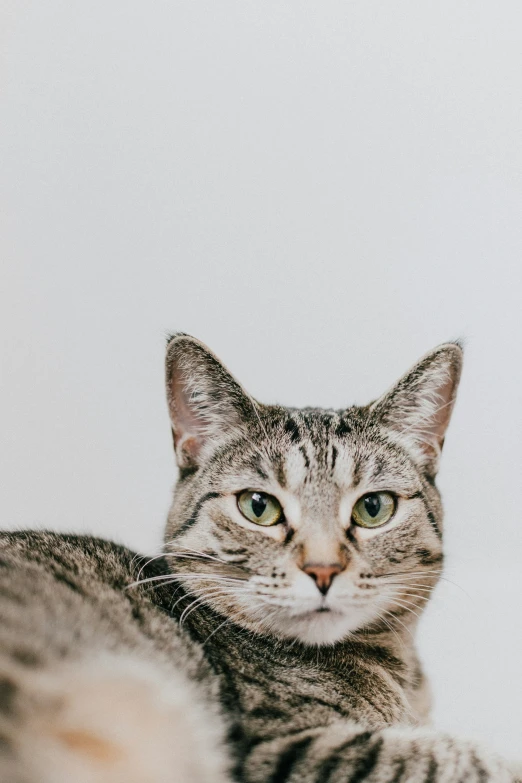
(344, 448)
(312, 451)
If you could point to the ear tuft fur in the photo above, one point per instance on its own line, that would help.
(418, 408)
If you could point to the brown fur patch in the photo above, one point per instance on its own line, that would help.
(90, 745)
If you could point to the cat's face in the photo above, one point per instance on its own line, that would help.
(307, 524)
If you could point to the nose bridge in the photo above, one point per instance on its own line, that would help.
(322, 544)
(321, 549)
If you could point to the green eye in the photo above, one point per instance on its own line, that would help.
(260, 508)
(374, 510)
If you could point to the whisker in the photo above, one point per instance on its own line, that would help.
(413, 574)
(436, 572)
(273, 601)
(394, 617)
(392, 629)
(228, 620)
(407, 606)
(188, 595)
(411, 595)
(201, 600)
(422, 573)
(189, 554)
(174, 577)
(415, 586)
(151, 560)
(445, 579)
(196, 553)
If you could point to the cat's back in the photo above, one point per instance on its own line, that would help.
(62, 593)
(93, 674)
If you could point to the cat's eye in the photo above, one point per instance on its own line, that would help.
(374, 509)
(260, 508)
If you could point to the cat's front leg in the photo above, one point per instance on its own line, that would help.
(348, 753)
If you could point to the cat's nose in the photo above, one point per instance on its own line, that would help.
(323, 575)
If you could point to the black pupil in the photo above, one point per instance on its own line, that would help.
(259, 504)
(372, 504)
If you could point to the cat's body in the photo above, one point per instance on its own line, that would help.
(67, 607)
(273, 641)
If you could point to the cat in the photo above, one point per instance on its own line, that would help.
(272, 640)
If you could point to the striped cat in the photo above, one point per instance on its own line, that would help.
(272, 641)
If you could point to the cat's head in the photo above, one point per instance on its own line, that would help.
(308, 524)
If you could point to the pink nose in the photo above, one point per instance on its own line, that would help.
(322, 575)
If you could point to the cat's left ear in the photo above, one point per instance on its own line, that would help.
(206, 403)
(418, 408)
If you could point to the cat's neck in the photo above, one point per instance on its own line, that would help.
(372, 658)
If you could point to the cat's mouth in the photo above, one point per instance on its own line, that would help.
(322, 609)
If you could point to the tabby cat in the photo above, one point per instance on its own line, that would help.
(272, 641)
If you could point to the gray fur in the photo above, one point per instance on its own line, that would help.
(261, 676)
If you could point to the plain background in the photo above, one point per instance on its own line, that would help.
(321, 191)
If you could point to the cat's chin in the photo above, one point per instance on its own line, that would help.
(318, 628)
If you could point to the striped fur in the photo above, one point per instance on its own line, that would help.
(225, 644)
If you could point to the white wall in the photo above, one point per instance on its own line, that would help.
(320, 191)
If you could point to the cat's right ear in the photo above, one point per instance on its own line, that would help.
(206, 403)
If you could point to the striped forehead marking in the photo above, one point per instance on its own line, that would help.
(297, 466)
(316, 452)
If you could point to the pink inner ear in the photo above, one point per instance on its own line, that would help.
(206, 403)
(187, 426)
